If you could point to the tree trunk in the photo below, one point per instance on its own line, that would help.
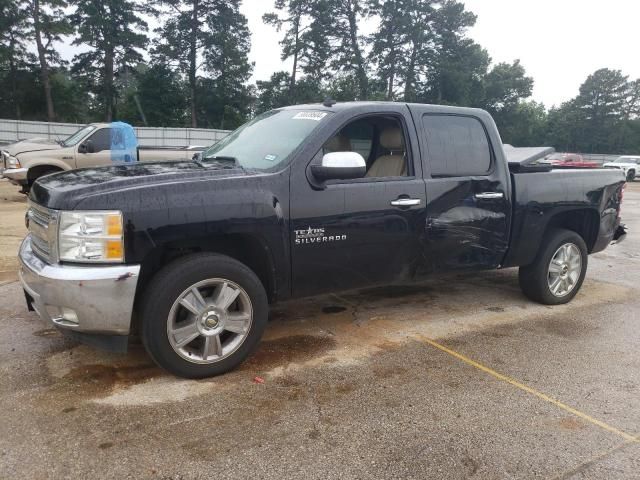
(14, 82)
(292, 82)
(392, 71)
(193, 58)
(361, 72)
(44, 67)
(108, 83)
(409, 86)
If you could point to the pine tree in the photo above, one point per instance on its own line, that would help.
(49, 23)
(305, 38)
(212, 37)
(14, 55)
(114, 31)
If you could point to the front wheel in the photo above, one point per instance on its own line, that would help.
(557, 273)
(202, 315)
(631, 175)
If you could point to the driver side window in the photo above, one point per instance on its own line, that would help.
(379, 140)
(101, 140)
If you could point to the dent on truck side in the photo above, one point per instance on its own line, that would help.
(244, 216)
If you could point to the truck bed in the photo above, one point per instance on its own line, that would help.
(539, 195)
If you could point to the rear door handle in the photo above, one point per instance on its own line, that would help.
(489, 195)
(405, 202)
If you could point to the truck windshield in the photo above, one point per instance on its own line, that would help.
(266, 141)
(79, 135)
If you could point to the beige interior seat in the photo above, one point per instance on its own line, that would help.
(337, 143)
(392, 164)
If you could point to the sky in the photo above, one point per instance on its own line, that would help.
(559, 42)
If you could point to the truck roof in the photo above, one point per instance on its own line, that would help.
(340, 106)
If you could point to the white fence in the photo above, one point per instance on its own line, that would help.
(14, 130)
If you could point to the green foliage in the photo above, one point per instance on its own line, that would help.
(603, 118)
(114, 32)
(157, 95)
(197, 71)
(15, 61)
(208, 41)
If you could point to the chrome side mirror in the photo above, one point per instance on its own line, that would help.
(340, 166)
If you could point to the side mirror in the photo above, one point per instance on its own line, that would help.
(340, 166)
(86, 147)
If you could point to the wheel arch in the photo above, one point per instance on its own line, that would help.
(251, 250)
(37, 171)
(584, 221)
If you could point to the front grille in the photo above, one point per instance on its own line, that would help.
(4, 156)
(42, 224)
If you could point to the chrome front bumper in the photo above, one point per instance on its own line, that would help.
(16, 175)
(95, 299)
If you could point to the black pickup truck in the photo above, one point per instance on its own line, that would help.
(297, 202)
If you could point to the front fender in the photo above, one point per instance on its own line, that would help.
(48, 161)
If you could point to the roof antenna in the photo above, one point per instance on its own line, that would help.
(329, 102)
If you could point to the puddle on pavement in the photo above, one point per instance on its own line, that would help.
(281, 351)
(106, 376)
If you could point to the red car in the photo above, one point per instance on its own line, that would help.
(570, 160)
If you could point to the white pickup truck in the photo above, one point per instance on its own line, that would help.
(24, 161)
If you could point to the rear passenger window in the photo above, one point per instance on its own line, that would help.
(457, 146)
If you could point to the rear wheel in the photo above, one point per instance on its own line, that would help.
(631, 175)
(557, 273)
(203, 315)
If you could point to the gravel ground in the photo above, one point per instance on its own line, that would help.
(460, 377)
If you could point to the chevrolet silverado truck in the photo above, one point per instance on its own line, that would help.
(302, 201)
(25, 161)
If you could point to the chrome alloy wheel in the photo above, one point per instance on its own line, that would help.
(209, 321)
(564, 270)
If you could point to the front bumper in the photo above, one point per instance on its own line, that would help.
(16, 175)
(94, 300)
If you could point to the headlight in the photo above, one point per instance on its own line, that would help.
(13, 162)
(91, 237)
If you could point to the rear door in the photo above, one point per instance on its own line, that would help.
(467, 187)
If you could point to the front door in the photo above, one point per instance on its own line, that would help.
(468, 195)
(360, 232)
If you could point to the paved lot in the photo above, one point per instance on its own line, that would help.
(457, 378)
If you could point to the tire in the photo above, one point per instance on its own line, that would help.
(631, 175)
(222, 335)
(537, 279)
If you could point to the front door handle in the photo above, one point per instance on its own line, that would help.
(405, 202)
(489, 195)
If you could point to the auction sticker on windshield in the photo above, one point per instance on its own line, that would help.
(316, 116)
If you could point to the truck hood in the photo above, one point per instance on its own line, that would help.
(64, 190)
(30, 145)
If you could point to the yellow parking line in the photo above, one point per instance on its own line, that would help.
(530, 390)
